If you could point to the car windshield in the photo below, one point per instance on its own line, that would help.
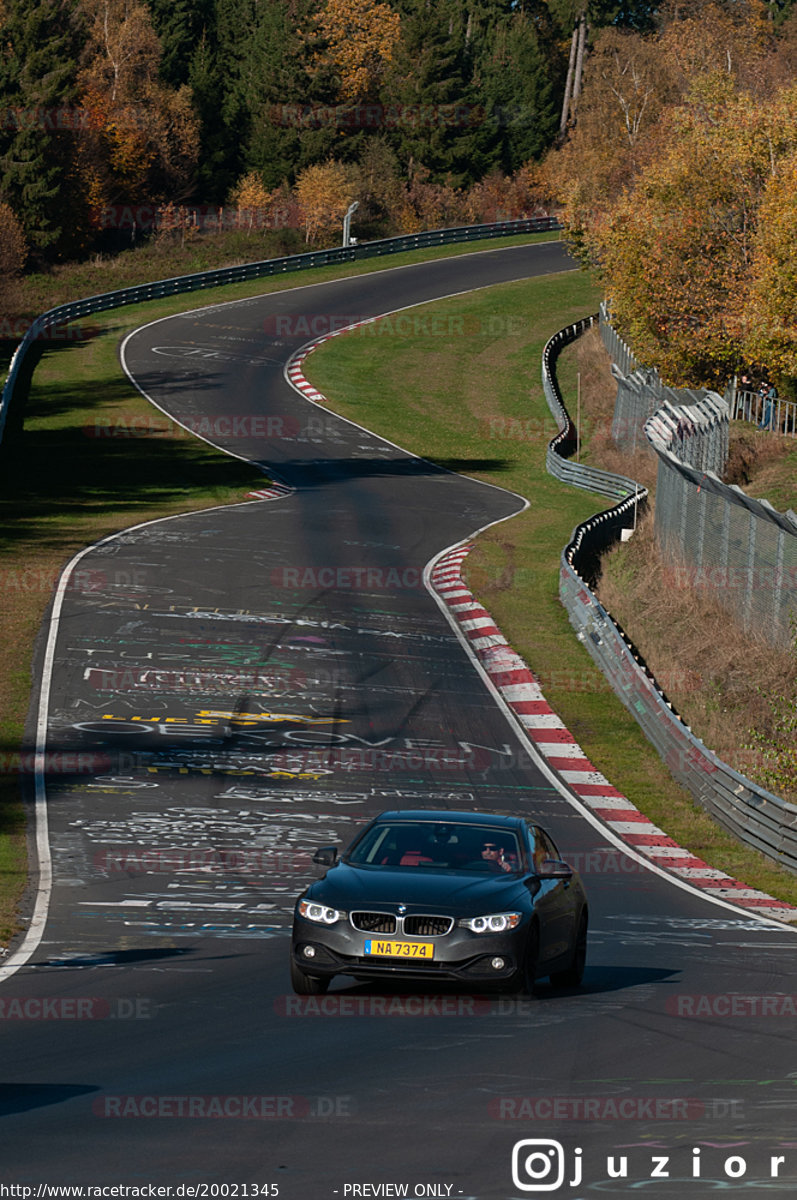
(420, 845)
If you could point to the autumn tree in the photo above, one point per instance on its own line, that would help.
(377, 184)
(771, 336)
(625, 94)
(677, 252)
(142, 143)
(428, 204)
(358, 38)
(712, 35)
(500, 197)
(324, 192)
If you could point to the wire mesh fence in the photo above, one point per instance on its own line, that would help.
(715, 536)
(706, 519)
(702, 426)
(722, 541)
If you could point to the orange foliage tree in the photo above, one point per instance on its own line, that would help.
(677, 252)
(359, 39)
(625, 91)
(142, 140)
(324, 193)
(679, 157)
(772, 332)
(257, 205)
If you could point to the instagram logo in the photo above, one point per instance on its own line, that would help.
(538, 1165)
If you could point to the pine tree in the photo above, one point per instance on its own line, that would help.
(38, 60)
(219, 162)
(180, 25)
(433, 109)
(518, 87)
(278, 94)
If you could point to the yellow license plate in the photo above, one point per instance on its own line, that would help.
(400, 949)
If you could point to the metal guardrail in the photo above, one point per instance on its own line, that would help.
(64, 313)
(754, 815)
(778, 417)
(559, 452)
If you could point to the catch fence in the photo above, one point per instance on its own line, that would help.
(756, 816)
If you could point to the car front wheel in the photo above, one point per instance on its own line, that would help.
(306, 985)
(526, 978)
(572, 975)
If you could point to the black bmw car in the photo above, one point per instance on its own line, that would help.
(471, 897)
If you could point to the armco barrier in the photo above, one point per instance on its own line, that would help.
(558, 455)
(240, 274)
(751, 813)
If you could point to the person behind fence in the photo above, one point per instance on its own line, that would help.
(770, 394)
(746, 387)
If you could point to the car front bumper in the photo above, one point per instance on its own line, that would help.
(459, 955)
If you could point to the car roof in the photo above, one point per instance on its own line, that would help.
(449, 816)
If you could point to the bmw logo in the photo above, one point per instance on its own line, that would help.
(402, 908)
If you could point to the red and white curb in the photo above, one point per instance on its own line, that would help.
(522, 693)
(294, 371)
(271, 493)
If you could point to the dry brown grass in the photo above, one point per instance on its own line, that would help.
(718, 677)
(588, 357)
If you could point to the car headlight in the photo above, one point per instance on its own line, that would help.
(494, 923)
(319, 912)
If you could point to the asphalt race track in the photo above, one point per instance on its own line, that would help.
(225, 691)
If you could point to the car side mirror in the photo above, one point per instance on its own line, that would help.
(554, 868)
(326, 856)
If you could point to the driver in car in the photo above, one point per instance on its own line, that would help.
(494, 856)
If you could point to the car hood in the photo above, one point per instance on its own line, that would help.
(449, 892)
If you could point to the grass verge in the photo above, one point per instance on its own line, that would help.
(61, 489)
(478, 396)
